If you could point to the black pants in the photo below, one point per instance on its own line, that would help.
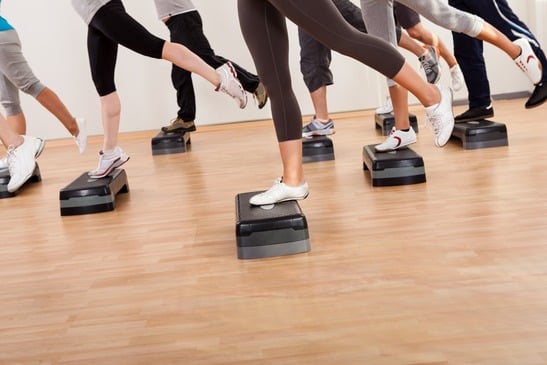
(111, 26)
(187, 29)
(469, 51)
(264, 28)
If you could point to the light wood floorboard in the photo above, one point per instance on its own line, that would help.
(453, 271)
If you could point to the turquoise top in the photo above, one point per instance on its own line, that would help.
(4, 25)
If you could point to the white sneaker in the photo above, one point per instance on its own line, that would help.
(457, 77)
(527, 61)
(38, 144)
(397, 139)
(386, 108)
(231, 85)
(81, 138)
(109, 162)
(280, 192)
(441, 118)
(21, 162)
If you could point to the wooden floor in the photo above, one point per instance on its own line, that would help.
(452, 271)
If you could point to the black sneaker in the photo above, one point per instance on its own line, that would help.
(179, 126)
(538, 97)
(475, 114)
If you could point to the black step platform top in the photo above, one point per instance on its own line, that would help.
(399, 167)
(317, 149)
(167, 143)
(481, 134)
(86, 195)
(386, 121)
(251, 219)
(5, 178)
(87, 186)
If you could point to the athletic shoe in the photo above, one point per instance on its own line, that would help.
(81, 138)
(457, 77)
(38, 144)
(108, 163)
(179, 126)
(317, 128)
(430, 64)
(441, 118)
(231, 85)
(538, 97)
(21, 162)
(397, 139)
(261, 95)
(280, 192)
(527, 61)
(478, 113)
(386, 108)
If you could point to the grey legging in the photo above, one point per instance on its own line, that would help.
(264, 28)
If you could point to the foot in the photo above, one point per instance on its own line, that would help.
(430, 64)
(478, 113)
(386, 108)
(317, 128)
(38, 144)
(179, 126)
(261, 95)
(397, 139)
(527, 61)
(280, 192)
(108, 161)
(456, 76)
(230, 85)
(441, 118)
(21, 162)
(81, 138)
(538, 97)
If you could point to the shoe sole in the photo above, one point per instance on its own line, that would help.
(107, 172)
(282, 200)
(483, 117)
(178, 130)
(318, 134)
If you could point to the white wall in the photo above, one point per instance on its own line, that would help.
(54, 39)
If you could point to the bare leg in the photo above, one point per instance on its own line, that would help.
(399, 98)
(410, 45)
(291, 155)
(185, 59)
(426, 93)
(426, 36)
(110, 113)
(319, 100)
(55, 106)
(8, 136)
(18, 123)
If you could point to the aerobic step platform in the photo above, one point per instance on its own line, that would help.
(167, 143)
(317, 149)
(385, 122)
(399, 167)
(480, 134)
(274, 230)
(4, 180)
(86, 195)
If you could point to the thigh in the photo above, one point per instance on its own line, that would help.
(102, 53)
(406, 17)
(115, 23)
(13, 65)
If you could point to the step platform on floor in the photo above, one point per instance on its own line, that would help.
(274, 230)
(317, 149)
(86, 195)
(4, 180)
(167, 143)
(385, 122)
(399, 167)
(481, 134)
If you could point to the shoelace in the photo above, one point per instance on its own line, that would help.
(426, 65)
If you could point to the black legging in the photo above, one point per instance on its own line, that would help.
(111, 26)
(265, 31)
